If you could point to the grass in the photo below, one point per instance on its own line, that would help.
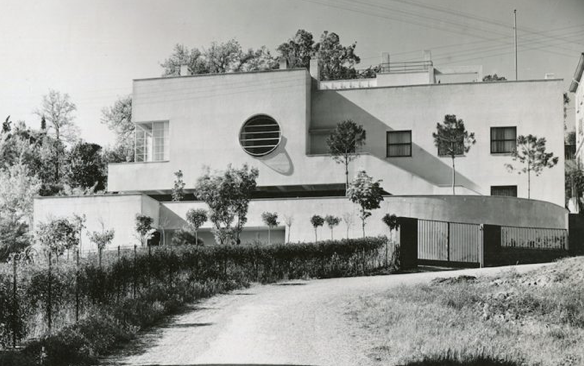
(531, 319)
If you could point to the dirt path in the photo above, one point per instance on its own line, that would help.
(293, 323)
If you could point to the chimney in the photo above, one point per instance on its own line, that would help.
(427, 55)
(315, 69)
(283, 63)
(184, 70)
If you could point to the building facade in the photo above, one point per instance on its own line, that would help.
(278, 122)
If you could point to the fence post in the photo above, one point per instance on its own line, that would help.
(149, 264)
(15, 302)
(77, 288)
(49, 294)
(448, 242)
(134, 272)
(482, 246)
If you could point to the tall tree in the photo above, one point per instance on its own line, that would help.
(298, 50)
(531, 153)
(57, 109)
(86, 167)
(367, 194)
(118, 118)
(344, 144)
(452, 139)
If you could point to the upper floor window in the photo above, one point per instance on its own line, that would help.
(152, 141)
(503, 139)
(399, 143)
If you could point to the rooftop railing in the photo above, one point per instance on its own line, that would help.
(404, 67)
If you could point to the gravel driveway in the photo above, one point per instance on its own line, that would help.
(291, 323)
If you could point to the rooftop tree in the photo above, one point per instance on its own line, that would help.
(367, 194)
(344, 144)
(452, 139)
(532, 156)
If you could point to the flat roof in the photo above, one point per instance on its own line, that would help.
(221, 74)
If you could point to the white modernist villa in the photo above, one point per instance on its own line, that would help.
(278, 121)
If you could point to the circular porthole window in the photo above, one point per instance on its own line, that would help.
(260, 135)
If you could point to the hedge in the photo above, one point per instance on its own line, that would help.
(135, 290)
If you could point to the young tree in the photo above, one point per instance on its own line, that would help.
(348, 218)
(271, 220)
(102, 239)
(367, 194)
(227, 194)
(58, 235)
(316, 221)
(344, 144)
(118, 118)
(391, 222)
(178, 192)
(86, 167)
(17, 191)
(452, 139)
(288, 220)
(531, 153)
(144, 228)
(196, 218)
(331, 222)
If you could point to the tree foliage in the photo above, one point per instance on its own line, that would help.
(316, 221)
(331, 222)
(227, 194)
(58, 235)
(86, 167)
(118, 118)
(144, 228)
(532, 156)
(218, 58)
(452, 139)
(367, 194)
(178, 190)
(57, 109)
(344, 144)
(494, 77)
(390, 221)
(17, 191)
(270, 219)
(335, 60)
(196, 218)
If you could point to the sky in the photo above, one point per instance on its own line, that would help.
(92, 50)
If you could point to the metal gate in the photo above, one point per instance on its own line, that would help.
(450, 242)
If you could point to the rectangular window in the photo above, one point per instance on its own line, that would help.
(152, 141)
(503, 139)
(507, 191)
(399, 143)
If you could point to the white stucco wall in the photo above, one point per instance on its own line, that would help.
(207, 112)
(115, 211)
(534, 107)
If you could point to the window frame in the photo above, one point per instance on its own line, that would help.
(504, 140)
(154, 147)
(387, 144)
(505, 186)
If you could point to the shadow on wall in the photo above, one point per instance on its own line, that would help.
(422, 164)
(279, 160)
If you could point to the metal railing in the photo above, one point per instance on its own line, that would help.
(403, 67)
